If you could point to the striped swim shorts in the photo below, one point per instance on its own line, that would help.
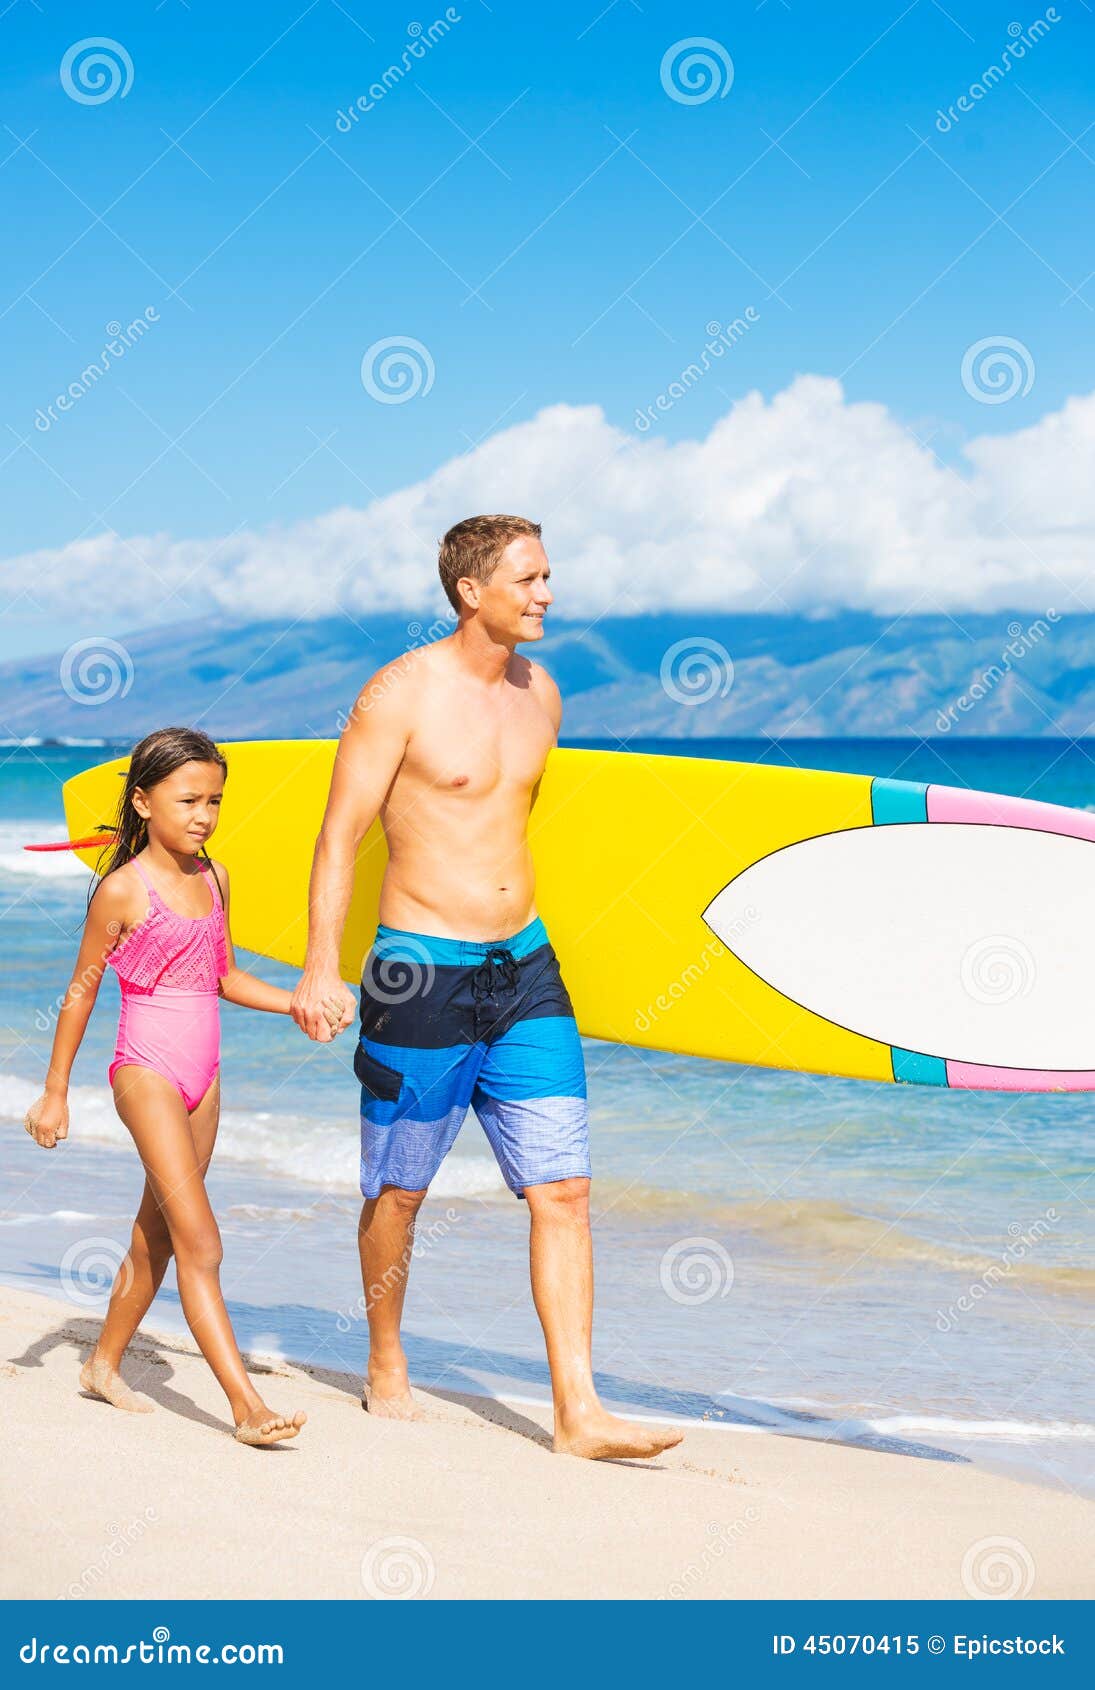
(447, 1024)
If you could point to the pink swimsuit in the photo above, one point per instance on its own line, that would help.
(169, 968)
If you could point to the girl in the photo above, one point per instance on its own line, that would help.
(159, 918)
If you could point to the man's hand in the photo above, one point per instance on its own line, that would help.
(323, 1005)
(47, 1120)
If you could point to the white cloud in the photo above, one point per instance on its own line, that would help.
(802, 503)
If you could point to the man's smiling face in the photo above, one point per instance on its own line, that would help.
(513, 603)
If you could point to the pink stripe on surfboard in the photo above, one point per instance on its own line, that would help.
(969, 1076)
(954, 804)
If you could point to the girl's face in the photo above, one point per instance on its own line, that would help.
(184, 808)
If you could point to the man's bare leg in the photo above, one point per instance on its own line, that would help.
(385, 1238)
(561, 1259)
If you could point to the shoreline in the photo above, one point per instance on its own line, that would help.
(472, 1503)
(292, 1281)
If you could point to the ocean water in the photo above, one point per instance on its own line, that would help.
(900, 1267)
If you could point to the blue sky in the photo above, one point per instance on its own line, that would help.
(534, 206)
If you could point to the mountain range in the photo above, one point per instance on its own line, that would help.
(677, 676)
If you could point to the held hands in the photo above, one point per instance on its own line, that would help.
(323, 1007)
(335, 1013)
(47, 1120)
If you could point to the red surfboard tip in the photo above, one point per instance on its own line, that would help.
(74, 844)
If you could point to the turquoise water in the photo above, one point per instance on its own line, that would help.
(832, 1258)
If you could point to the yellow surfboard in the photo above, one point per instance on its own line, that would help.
(727, 910)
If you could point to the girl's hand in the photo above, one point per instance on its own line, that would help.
(334, 1012)
(47, 1120)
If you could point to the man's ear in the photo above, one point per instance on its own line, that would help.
(468, 588)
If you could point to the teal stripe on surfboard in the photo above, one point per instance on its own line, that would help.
(912, 1068)
(898, 801)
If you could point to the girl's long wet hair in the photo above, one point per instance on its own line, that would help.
(158, 755)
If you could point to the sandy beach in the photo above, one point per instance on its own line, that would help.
(471, 1502)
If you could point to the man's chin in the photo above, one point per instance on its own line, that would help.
(532, 628)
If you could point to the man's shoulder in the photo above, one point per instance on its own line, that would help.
(394, 682)
(540, 680)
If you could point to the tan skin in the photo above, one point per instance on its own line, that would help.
(446, 745)
(175, 1146)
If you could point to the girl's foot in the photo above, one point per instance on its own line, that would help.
(262, 1426)
(101, 1380)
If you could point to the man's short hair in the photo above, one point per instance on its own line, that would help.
(475, 546)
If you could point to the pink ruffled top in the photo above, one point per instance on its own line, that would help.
(186, 953)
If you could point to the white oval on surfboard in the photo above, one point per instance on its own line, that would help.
(966, 942)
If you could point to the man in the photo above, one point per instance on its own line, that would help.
(461, 999)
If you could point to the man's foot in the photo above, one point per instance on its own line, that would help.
(262, 1427)
(601, 1437)
(386, 1393)
(99, 1379)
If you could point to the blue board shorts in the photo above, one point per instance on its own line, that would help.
(449, 1023)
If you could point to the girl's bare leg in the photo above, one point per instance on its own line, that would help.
(156, 1117)
(141, 1273)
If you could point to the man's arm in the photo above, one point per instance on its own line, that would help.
(369, 754)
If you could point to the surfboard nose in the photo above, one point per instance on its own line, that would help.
(968, 943)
